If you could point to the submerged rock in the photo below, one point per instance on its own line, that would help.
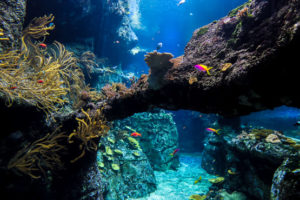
(12, 13)
(260, 40)
(124, 173)
(260, 164)
(286, 184)
(159, 137)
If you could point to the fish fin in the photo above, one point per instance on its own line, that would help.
(208, 70)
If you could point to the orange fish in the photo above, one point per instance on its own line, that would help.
(136, 134)
(40, 81)
(43, 45)
(174, 152)
(13, 87)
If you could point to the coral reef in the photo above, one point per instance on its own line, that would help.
(248, 85)
(286, 181)
(122, 161)
(43, 154)
(87, 59)
(159, 137)
(159, 64)
(88, 130)
(233, 196)
(36, 76)
(254, 159)
(12, 14)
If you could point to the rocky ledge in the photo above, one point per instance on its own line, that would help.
(252, 51)
(265, 161)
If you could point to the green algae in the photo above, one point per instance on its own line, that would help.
(202, 31)
(234, 12)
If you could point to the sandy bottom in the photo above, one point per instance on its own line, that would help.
(179, 185)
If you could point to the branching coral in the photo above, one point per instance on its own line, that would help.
(42, 78)
(42, 154)
(37, 28)
(87, 59)
(43, 84)
(2, 34)
(115, 90)
(89, 129)
(243, 12)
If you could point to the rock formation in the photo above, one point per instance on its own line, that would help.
(12, 15)
(253, 55)
(264, 168)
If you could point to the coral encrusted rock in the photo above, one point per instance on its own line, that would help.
(12, 13)
(266, 169)
(159, 64)
(260, 45)
(159, 137)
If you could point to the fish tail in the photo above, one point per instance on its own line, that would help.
(208, 70)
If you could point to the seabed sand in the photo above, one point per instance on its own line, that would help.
(179, 185)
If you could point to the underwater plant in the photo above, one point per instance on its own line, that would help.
(87, 59)
(115, 90)
(37, 28)
(88, 129)
(41, 155)
(44, 78)
(2, 34)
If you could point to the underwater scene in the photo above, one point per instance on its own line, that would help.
(150, 99)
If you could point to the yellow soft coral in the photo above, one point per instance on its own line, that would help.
(89, 129)
(46, 79)
(42, 154)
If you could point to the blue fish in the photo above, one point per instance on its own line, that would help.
(295, 171)
(51, 24)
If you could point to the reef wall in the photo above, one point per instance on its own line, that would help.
(12, 15)
(102, 26)
(262, 160)
(253, 52)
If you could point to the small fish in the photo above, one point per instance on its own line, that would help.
(174, 152)
(159, 46)
(43, 45)
(117, 42)
(213, 130)
(40, 81)
(231, 172)
(135, 134)
(295, 171)
(51, 24)
(131, 129)
(198, 180)
(181, 2)
(297, 123)
(13, 87)
(203, 68)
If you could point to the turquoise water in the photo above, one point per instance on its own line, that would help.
(179, 185)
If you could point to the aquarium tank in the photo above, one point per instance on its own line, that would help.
(150, 99)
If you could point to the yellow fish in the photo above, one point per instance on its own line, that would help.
(198, 180)
(203, 68)
(231, 172)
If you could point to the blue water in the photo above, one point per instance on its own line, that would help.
(164, 21)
